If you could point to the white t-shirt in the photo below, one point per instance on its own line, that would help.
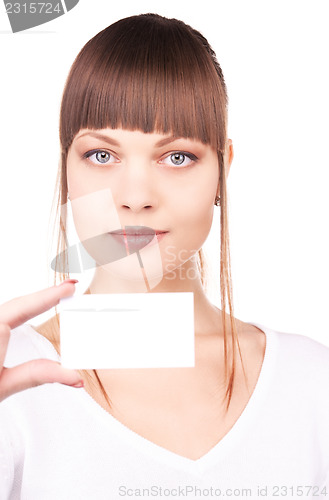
(57, 443)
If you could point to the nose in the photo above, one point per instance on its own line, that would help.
(137, 189)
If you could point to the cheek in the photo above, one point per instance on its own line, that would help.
(195, 207)
(81, 180)
(193, 221)
(93, 209)
(197, 223)
(94, 213)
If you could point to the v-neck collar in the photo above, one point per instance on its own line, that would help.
(232, 438)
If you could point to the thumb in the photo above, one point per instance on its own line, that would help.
(34, 373)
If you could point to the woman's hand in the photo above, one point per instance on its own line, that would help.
(39, 371)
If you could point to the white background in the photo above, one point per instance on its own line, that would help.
(274, 56)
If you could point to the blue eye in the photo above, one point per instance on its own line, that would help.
(177, 158)
(102, 156)
(180, 159)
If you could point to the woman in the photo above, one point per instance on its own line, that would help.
(143, 124)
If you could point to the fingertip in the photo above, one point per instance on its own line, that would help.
(78, 384)
(68, 281)
(67, 288)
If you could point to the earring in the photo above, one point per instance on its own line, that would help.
(68, 196)
(217, 201)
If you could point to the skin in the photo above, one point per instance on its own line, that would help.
(180, 409)
(149, 189)
(15, 312)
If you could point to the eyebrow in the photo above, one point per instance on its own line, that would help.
(113, 142)
(105, 138)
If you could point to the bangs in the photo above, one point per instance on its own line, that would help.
(146, 73)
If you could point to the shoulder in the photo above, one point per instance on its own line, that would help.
(292, 359)
(302, 350)
(294, 346)
(299, 359)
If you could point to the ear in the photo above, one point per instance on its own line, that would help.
(228, 158)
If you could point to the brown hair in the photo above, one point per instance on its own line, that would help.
(153, 74)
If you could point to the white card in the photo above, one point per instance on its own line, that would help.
(127, 330)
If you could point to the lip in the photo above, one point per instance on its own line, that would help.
(135, 242)
(138, 231)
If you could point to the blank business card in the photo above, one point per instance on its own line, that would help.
(133, 330)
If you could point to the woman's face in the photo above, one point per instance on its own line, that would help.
(118, 178)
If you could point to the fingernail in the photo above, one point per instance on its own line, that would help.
(68, 281)
(79, 384)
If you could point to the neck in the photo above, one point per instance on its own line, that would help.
(185, 278)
